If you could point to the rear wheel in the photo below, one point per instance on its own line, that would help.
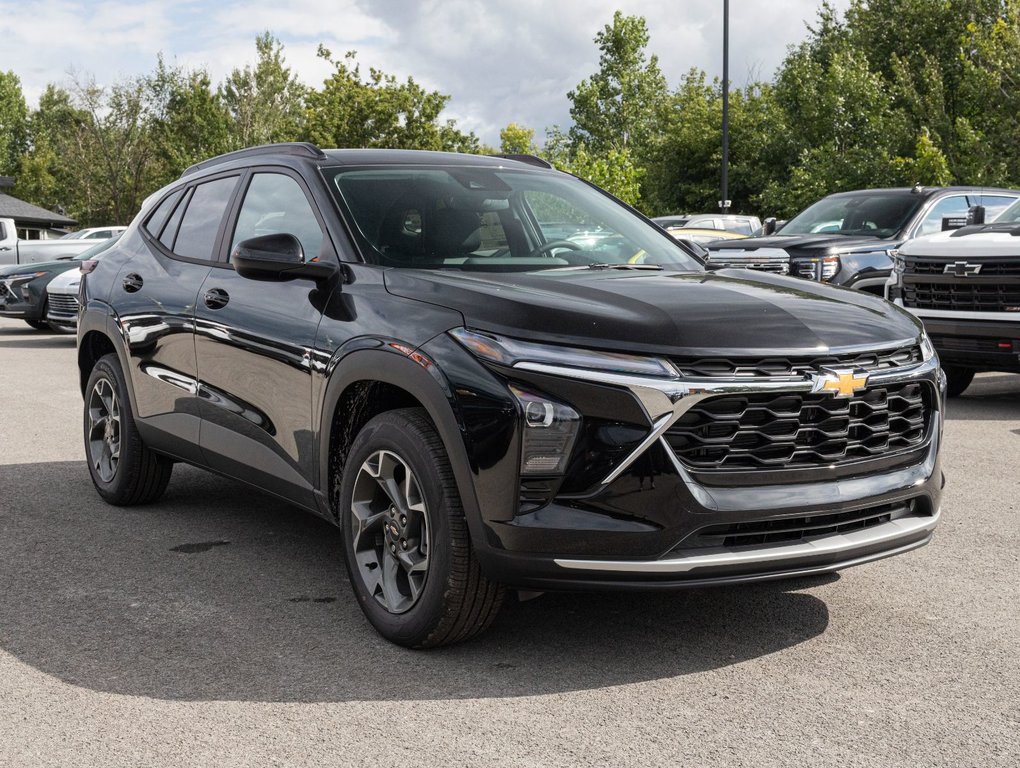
(123, 469)
(406, 542)
(957, 379)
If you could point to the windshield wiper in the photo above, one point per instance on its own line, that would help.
(599, 265)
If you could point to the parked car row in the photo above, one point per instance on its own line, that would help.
(24, 289)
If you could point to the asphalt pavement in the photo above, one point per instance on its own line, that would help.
(216, 628)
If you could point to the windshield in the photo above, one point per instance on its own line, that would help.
(95, 250)
(1009, 216)
(494, 220)
(879, 214)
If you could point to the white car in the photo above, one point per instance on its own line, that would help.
(94, 233)
(62, 291)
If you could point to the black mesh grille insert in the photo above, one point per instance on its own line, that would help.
(791, 529)
(963, 296)
(882, 360)
(796, 430)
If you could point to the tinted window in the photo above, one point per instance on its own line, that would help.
(170, 230)
(881, 214)
(162, 213)
(494, 220)
(196, 237)
(955, 206)
(275, 204)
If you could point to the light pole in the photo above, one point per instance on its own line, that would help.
(724, 201)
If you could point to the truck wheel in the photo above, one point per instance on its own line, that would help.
(958, 379)
(123, 469)
(406, 542)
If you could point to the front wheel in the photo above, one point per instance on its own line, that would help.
(123, 469)
(406, 542)
(957, 379)
(39, 325)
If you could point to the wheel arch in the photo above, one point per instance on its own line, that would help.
(368, 382)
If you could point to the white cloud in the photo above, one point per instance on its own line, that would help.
(500, 62)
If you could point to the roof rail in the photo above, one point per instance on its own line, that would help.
(295, 148)
(529, 159)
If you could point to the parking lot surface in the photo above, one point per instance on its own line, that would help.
(216, 627)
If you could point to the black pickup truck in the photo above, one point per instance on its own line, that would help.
(845, 238)
(408, 345)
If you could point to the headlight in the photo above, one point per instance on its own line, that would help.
(822, 268)
(550, 429)
(927, 348)
(499, 349)
(21, 277)
(898, 262)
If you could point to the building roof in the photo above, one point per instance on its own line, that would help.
(26, 213)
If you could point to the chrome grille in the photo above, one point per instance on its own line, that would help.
(765, 260)
(62, 304)
(882, 360)
(762, 431)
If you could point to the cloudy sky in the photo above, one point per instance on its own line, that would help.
(501, 62)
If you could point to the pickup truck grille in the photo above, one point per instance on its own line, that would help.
(761, 431)
(923, 266)
(963, 296)
(715, 367)
(766, 260)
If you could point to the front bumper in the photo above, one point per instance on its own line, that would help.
(13, 303)
(984, 341)
(644, 524)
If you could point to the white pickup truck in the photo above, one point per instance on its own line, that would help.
(15, 251)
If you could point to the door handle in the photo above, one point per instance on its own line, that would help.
(216, 298)
(132, 283)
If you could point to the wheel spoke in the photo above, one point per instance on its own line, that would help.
(389, 531)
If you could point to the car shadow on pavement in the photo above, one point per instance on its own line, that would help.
(991, 397)
(26, 338)
(218, 592)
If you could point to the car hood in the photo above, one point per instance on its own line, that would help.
(969, 243)
(680, 313)
(65, 282)
(54, 267)
(805, 244)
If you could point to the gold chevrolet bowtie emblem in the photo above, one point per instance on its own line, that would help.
(841, 383)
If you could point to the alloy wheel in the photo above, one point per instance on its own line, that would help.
(390, 531)
(104, 430)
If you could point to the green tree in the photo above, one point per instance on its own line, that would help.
(266, 102)
(515, 139)
(379, 111)
(187, 119)
(617, 107)
(13, 122)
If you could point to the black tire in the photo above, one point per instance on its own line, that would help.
(137, 475)
(958, 379)
(39, 325)
(455, 601)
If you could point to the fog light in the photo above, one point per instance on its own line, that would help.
(550, 429)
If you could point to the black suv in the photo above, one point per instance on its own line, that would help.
(847, 238)
(407, 344)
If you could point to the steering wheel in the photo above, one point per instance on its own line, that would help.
(546, 247)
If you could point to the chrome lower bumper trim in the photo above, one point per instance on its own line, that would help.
(845, 543)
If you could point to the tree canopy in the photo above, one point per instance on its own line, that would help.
(889, 92)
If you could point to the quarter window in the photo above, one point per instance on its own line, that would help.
(275, 204)
(161, 214)
(196, 237)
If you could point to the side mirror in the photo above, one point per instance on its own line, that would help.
(769, 227)
(976, 214)
(277, 257)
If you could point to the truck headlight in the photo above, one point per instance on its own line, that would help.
(821, 268)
